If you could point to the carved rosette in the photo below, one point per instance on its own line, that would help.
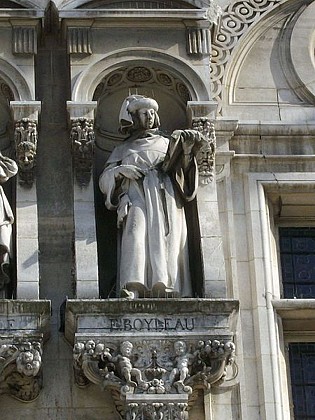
(205, 156)
(82, 140)
(25, 138)
(20, 369)
(148, 374)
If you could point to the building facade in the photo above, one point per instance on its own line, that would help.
(241, 343)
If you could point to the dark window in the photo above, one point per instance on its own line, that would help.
(302, 368)
(297, 251)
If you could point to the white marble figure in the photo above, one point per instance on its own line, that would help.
(8, 168)
(147, 180)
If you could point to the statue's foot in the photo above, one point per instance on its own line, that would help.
(127, 294)
(132, 384)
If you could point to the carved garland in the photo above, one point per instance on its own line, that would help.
(236, 20)
(205, 156)
(82, 140)
(154, 378)
(20, 370)
(25, 137)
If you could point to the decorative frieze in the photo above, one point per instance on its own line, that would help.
(79, 41)
(24, 40)
(82, 140)
(151, 367)
(25, 138)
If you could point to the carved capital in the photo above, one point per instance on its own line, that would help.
(148, 374)
(20, 369)
(82, 140)
(25, 139)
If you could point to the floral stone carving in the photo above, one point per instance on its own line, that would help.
(149, 374)
(82, 138)
(205, 156)
(25, 137)
(20, 369)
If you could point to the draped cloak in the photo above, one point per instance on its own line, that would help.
(8, 168)
(153, 247)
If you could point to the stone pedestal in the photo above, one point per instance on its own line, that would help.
(151, 354)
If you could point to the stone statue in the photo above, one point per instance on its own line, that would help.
(124, 365)
(147, 180)
(8, 168)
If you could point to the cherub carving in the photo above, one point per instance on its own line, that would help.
(183, 361)
(124, 365)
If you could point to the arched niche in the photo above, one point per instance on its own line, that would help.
(145, 78)
(15, 81)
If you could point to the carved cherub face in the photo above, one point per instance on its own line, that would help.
(180, 348)
(26, 153)
(126, 348)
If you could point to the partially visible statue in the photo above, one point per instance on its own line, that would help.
(8, 168)
(147, 180)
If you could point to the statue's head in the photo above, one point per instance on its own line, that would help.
(126, 348)
(138, 112)
(180, 347)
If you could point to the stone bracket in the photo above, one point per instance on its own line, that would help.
(24, 327)
(148, 352)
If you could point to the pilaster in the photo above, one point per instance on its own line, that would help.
(82, 140)
(25, 116)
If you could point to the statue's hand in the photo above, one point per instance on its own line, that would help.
(128, 171)
(192, 141)
(122, 209)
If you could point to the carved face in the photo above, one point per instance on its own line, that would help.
(26, 155)
(126, 349)
(146, 118)
(180, 347)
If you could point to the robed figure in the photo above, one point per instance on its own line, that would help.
(147, 180)
(8, 169)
